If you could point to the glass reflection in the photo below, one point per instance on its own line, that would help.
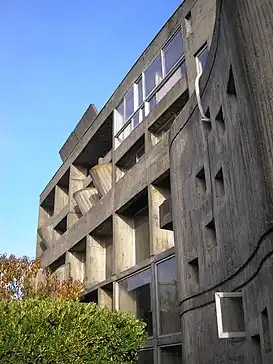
(169, 317)
(135, 297)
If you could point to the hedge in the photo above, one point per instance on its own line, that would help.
(54, 331)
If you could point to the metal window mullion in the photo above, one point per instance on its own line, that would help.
(163, 64)
(136, 97)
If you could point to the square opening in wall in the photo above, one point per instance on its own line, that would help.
(230, 315)
(220, 123)
(210, 234)
(219, 184)
(231, 88)
(188, 23)
(61, 227)
(201, 185)
(193, 266)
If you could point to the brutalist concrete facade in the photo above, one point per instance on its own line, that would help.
(146, 186)
(222, 187)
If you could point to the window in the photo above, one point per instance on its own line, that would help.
(201, 58)
(135, 297)
(139, 96)
(129, 103)
(173, 52)
(171, 354)
(119, 117)
(153, 75)
(144, 95)
(146, 357)
(169, 316)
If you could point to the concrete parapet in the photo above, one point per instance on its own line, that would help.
(86, 198)
(46, 235)
(101, 175)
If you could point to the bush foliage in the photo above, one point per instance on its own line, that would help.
(50, 331)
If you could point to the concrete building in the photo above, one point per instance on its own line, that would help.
(176, 172)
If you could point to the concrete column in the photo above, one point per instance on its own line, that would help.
(124, 243)
(63, 272)
(77, 265)
(76, 182)
(95, 260)
(105, 298)
(160, 239)
(61, 199)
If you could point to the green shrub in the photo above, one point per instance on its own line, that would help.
(54, 331)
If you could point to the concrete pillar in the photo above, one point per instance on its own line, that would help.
(61, 199)
(76, 182)
(77, 265)
(105, 298)
(127, 300)
(160, 239)
(124, 242)
(102, 177)
(95, 260)
(86, 198)
(63, 272)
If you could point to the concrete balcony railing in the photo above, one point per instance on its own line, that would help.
(102, 177)
(86, 198)
(165, 214)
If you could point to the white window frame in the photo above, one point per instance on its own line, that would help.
(219, 315)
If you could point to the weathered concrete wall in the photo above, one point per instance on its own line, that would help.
(222, 189)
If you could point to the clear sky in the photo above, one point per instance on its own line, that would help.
(57, 57)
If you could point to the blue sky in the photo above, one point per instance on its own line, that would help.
(57, 57)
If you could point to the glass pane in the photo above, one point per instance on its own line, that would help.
(152, 103)
(135, 297)
(169, 317)
(119, 120)
(146, 357)
(153, 75)
(175, 77)
(136, 119)
(129, 103)
(139, 92)
(173, 52)
(171, 355)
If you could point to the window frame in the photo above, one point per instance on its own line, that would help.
(157, 298)
(152, 293)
